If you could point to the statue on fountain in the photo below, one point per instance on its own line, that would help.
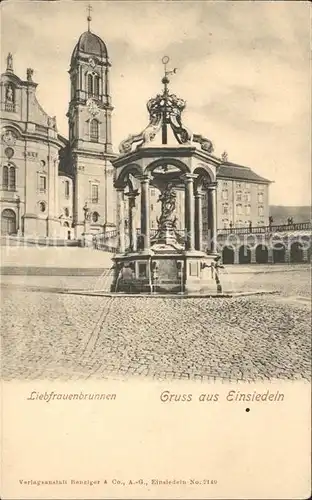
(168, 203)
(167, 221)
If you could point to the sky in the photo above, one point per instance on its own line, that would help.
(243, 69)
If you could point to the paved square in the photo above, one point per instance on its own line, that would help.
(56, 336)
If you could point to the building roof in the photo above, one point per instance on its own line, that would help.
(89, 43)
(233, 171)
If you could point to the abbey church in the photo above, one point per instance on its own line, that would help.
(49, 183)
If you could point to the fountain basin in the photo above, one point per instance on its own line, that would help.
(164, 269)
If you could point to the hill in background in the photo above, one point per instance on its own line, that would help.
(281, 213)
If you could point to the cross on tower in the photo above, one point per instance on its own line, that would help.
(89, 18)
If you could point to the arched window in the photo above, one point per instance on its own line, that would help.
(94, 130)
(5, 178)
(90, 84)
(12, 179)
(96, 89)
(8, 222)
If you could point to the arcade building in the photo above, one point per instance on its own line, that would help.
(50, 184)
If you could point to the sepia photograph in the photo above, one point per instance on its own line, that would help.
(156, 242)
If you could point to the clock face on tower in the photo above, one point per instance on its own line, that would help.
(92, 107)
(92, 62)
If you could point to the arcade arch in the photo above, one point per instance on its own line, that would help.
(296, 252)
(262, 254)
(279, 253)
(228, 255)
(244, 255)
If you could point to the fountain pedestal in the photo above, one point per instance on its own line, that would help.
(164, 269)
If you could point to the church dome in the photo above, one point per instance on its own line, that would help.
(89, 43)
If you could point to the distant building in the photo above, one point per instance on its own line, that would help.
(242, 196)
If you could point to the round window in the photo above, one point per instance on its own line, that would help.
(95, 217)
(9, 152)
(42, 206)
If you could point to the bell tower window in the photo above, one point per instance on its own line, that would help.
(96, 86)
(93, 84)
(94, 130)
(90, 85)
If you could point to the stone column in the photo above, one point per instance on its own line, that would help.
(287, 253)
(120, 219)
(212, 215)
(236, 255)
(253, 259)
(145, 209)
(198, 220)
(132, 230)
(189, 211)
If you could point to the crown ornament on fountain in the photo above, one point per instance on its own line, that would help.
(165, 109)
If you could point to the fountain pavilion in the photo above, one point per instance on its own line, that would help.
(169, 260)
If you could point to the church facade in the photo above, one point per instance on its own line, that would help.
(51, 185)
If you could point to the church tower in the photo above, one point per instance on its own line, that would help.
(90, 140)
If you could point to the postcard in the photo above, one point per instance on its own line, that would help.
(155, 250)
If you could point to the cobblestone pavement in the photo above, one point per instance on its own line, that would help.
(55, 336)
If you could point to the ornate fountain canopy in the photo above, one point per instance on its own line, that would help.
(165, 110)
